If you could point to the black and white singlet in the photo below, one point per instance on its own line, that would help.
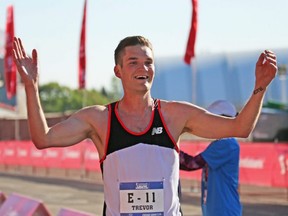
(140, 170)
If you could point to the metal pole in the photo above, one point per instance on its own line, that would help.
(84, 100)
(282, 72)
(194, 80)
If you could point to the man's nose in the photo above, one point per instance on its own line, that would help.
(143, 66)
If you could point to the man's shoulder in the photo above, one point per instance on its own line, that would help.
(96, 108)
(97, 111)
(175, 104)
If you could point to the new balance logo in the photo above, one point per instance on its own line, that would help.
(157, 130)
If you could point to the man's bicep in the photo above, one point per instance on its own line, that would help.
(69, 132)
(208, 125)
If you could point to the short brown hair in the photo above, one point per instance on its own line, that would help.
(130, 41)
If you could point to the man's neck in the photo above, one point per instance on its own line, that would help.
(136, 104)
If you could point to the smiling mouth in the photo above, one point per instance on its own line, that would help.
(141, 77)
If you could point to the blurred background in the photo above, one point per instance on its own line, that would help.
(229, 37)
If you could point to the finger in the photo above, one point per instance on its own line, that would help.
(16, 48)
(35, 57)
(22, 48)
(270, 57)
(268, 51)
(15, 56)
(271, 60)
(19, 48)
(261, 59)
(20, 68)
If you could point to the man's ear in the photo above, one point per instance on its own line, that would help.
(117, 71)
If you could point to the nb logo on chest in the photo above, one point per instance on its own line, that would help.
(157, 130)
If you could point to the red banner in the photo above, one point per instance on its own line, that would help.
(36, 157)
(190, 49)
(82, 52)
(72, 157)
(23, 153)
(9, 66)
(260, 163)
(53, 157)
(9, 153)
(263, 164)
(91, 158)
(2, 148)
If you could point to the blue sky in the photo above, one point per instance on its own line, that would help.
(53, 28)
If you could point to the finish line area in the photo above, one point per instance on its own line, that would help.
(71, 177)
(86, 195)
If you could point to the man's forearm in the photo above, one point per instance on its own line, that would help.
(248, 116)
(36, 118)
(190, 163)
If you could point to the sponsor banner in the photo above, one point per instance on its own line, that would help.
(255, 165)
(264, 164)
(260, 163)
(53, 157)
(91, 157)
(72, 157)
(23, 153)
(9, 155)
(37, 156)
(280, 174)
(2, 147)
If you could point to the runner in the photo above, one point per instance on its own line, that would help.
(137, 137)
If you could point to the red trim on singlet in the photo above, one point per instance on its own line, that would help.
(130, 131)
(165, 126)
(107, 133)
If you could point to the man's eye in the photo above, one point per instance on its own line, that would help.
(149, 63)
(133, 63)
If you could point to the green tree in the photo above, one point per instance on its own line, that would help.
(116, 91)
(56, 98)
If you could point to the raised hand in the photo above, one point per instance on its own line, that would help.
(27, 66)
(266, 68)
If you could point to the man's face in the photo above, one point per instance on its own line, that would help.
(137, 68)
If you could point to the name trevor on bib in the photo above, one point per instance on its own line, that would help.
(141, 199)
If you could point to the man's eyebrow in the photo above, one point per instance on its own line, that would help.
(131, 58)
(135, 58)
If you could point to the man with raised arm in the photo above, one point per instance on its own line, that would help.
(137, 137)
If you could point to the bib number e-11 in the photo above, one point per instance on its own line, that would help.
(142, 198)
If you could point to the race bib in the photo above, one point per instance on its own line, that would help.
(142, 199)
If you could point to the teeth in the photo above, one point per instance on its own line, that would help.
(141, 77)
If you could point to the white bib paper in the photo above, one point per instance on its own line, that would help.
(141, 199)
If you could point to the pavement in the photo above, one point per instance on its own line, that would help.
(84, 192)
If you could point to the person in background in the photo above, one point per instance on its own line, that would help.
(137, 137)
(220, 173)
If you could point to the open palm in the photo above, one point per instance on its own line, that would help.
(27, 66)
(266, 68)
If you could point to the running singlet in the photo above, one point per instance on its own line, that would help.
(140, 170)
